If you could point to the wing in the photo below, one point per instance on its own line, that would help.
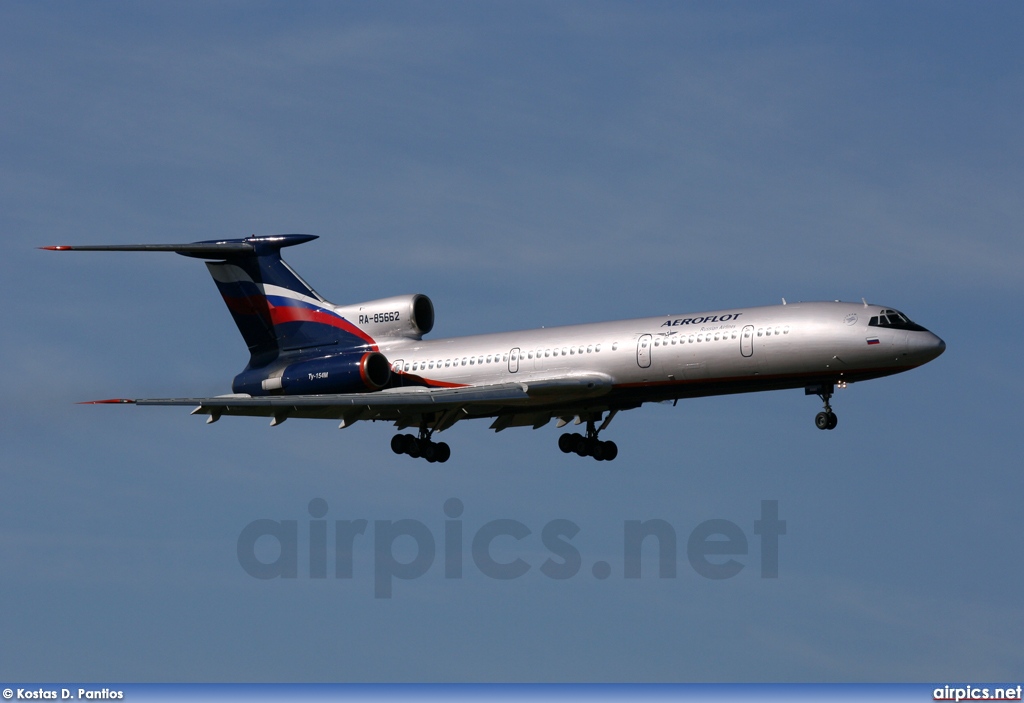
(530, 402)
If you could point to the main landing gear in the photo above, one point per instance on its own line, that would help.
(588, 445)
(421, 446)
(826, 419)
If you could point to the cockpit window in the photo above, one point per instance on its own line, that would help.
(893, 319)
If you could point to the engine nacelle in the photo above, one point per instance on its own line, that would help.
(353, 372)
(409, 316)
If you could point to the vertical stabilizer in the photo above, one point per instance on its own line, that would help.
(275, 310)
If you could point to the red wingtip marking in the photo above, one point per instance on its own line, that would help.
(110, 401)
(56, 248)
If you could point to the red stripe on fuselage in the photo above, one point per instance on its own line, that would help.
(429, 382)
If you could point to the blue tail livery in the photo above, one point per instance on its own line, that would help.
(295, 337)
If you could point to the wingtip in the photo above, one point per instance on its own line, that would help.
(109, 401)
(56, 248)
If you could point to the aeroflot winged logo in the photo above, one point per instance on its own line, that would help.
(310, 358)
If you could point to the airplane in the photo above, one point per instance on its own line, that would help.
(309, 358)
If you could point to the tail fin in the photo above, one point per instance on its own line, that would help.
(275, 310)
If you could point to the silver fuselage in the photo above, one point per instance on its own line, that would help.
(678, 356)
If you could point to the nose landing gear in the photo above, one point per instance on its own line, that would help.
(826, 419)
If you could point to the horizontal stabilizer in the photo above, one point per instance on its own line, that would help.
(201, 250)
(111, 401)
(273, 308)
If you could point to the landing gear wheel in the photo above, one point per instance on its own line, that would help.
(421, 446)
(412, 446)
(398, 444)
(826, 419)
(589, 444)
(442, 452)
(430, 451)
(611, 450)
(567, 442)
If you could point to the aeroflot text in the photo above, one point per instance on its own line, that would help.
(709, 547)
(700, 320)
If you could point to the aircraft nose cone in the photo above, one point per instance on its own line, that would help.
(925, 346)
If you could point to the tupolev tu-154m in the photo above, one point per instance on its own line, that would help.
(309, 358)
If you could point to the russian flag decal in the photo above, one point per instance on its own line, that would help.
(873, 340)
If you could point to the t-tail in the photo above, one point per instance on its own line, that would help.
(281, 318)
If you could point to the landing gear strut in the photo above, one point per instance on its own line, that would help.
(421, 446)
(826, 419)
(589, 445)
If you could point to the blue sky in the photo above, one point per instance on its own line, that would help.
(524, 165)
